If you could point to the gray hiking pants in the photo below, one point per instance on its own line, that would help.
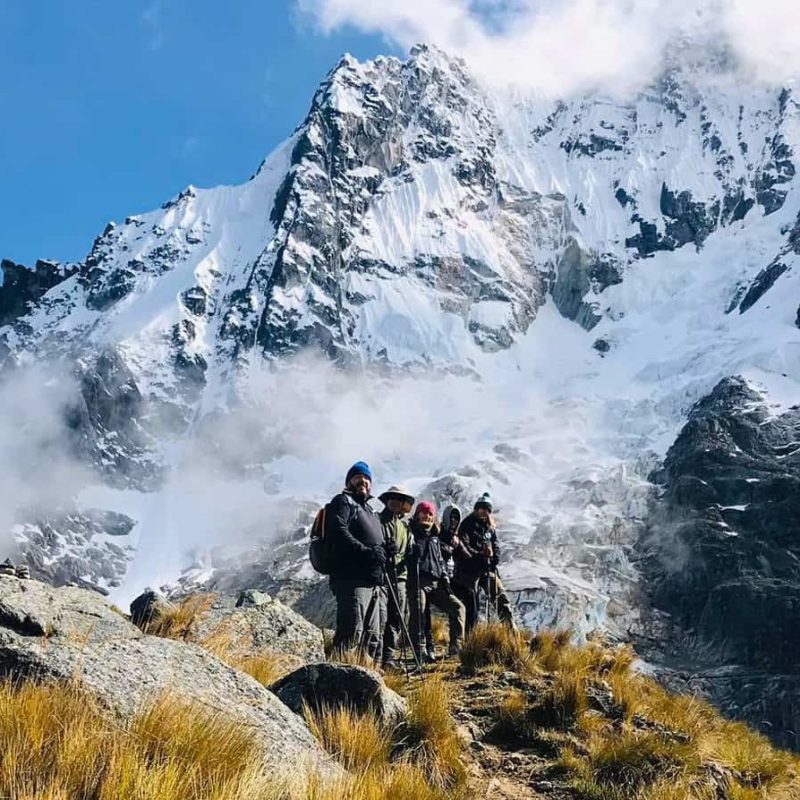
(352, 623)
(393, 632)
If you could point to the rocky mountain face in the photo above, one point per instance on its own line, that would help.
(587, 306)
(721, 553)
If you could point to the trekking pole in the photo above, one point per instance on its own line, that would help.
(394, 595)
(419, 610)
(404, 630)
(496, 601)
(488, 592)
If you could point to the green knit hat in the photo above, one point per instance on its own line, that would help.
(484, 501)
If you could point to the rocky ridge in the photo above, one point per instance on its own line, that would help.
(414, 222)
(70, 634)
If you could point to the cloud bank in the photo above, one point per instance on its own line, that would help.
(567, 46)
(41, 473)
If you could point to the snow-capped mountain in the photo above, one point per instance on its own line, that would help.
(517, 294)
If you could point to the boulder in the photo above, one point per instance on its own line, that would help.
(257, 622)
(147, 606)
(70, 633)
(340, 685)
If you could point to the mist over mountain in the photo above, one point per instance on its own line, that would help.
(588, 307)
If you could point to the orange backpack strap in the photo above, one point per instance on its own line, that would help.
(318, 528)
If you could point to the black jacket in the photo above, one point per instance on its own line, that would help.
(474, 534)
(426, 553)
(353, 530)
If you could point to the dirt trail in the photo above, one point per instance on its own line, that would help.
(499, 769)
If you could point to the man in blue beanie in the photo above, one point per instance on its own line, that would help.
(358, 564)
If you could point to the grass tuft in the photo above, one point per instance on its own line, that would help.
(440, 630)
(494, 645)
(56, 743)
(178, 621)
(359, 741)
(430, 734)
(421, 760)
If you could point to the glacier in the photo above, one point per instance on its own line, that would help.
(471, 290)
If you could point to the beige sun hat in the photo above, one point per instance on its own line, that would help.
(397, 491)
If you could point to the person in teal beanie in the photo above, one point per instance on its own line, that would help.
(476, 558)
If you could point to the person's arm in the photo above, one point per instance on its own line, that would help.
(409, 541)
(415, 548)
(464, 549)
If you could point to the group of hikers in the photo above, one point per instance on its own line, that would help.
(387, 569)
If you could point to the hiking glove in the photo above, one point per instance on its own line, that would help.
(391, 548)
(379, 557)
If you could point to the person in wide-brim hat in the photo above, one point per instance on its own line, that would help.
(398, 501)
(400, 492)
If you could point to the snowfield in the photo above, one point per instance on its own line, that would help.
(469, 292)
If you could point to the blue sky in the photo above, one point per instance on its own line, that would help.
(111, 108)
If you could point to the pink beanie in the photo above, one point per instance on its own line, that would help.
(425, 505)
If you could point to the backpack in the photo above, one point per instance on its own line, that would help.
(319, 551)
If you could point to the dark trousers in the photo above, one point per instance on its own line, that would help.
(352, 620)
(393, 631)
(468, 593)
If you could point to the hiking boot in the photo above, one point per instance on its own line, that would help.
(23, 572)
(7, 568)
(453, 650)
(429, 656)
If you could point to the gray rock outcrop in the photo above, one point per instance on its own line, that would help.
(69, 633)
(721, 556)
(340, 685)
(257, 622)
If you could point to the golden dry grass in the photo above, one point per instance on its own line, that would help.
(266, 667)
(663, 746)
(354, 657)
(421, 760)
(178, 621)
(440, 630)
(430, 734)
(400, 780)
(397, 681)
(56, 743)
(181, 622)
(495, 646)
(359, 741)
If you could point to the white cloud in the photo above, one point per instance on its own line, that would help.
(35, 440)
(563, 46)
(766, 35)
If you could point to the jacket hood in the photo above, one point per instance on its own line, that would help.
(446, 516)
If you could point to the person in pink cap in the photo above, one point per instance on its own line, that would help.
(429, 583)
